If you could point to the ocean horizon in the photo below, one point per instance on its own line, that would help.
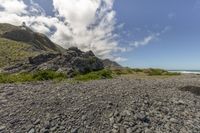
(186, 71)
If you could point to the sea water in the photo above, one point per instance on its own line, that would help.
(186, 71)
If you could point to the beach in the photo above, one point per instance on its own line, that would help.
(125, 104)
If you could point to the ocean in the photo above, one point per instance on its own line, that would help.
(186, 71)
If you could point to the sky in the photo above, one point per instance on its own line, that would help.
(135, 33)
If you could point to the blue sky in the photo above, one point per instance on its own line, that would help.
(139, 33)
(178, 48)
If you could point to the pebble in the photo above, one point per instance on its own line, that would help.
(32, 130)
(37, 122)
(2, 128)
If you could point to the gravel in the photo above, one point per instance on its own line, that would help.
(121, 105)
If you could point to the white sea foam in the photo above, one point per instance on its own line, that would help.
(186, 71)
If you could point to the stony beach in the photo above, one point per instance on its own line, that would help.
(127, 104)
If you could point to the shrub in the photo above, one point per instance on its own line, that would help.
(35, 76)
(159, 72)
(137, 70)
(48, 75)
(12, 78)
(122, 71)
(102, 74)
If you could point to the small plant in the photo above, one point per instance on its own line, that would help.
(122, 71)
(30, 77)
(102, 74)
(159, 72)
(48, 75)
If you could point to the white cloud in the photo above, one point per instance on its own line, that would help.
(148, 39)
(13, 6)
(88, 24)
(145, 41)
(120, 59)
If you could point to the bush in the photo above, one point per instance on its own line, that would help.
(122, 71)
(12, 78)
(102, 74)
(159, 72)
(137, 70)
(48, 75)
(29, 77)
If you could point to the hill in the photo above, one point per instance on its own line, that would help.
(111, 64)
(17, 43)
(23, 50)
(26, 35)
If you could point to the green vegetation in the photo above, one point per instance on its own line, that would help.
(159, 72)
(148, 72)
(122, 71)
(12, 52)
(102, 74)
(30, 77)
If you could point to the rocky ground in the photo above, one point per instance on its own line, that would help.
(121, 105)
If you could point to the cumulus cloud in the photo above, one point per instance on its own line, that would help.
(13, 6)
(88, 24)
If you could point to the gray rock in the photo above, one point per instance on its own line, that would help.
(37, 122)
(173, 120)
(129, 130)
(2, 127)
(75, 130)
(32, 130)
(70, 62)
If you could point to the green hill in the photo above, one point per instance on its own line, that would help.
(12, 51)
(17, 43)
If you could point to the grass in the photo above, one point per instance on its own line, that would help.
(148, 72)
(102, 74)
(12, 52)
(159, 72)
(96, 75)
(31, 77)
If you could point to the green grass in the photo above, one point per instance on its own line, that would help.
(12, 52)
(122, 71)
(96, 75)
(31, 77)
(102, 74)
(159, 72)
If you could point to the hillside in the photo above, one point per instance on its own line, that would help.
(26, 35)
(111, 64)
(17, 43)
(19, 46)
(13, 51)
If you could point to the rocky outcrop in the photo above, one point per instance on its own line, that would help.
(71, 61)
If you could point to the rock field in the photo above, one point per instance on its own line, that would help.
(121, 105)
